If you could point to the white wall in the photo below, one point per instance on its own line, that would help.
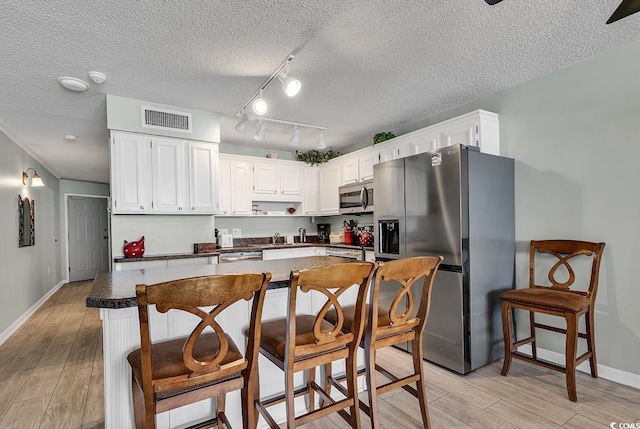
(575, 137)
(28, 273)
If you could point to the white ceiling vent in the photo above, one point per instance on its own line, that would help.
(163, 119)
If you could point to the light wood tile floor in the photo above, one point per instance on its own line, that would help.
(51, 377)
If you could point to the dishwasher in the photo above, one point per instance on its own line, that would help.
(251, 255)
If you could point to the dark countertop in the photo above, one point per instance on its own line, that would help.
(242, 248)
(116, 289)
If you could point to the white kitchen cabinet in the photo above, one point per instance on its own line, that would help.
(311, 190)
(168, 176)
(130, 173)
(158, 175)
(329, 182)
(387, 151)
(265, 180)
(479, 128)
(296, 252)
(277, 181)
(203, 167)
(349, 167)
(365, 164)
(417, 142)
(235, 186)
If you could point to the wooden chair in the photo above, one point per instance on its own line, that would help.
(388, 326)
(173, 373)
(302, 342)
(558, 300)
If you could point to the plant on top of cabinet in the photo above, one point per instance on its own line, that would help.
(380, 137)
(314, 156)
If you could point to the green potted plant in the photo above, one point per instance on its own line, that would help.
(380, 137)
(314, 156)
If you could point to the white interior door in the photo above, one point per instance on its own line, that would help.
(88, 237)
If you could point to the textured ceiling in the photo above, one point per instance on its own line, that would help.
(366, 66)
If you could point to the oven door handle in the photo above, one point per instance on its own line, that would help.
(364, 198)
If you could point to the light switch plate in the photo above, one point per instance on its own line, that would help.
(237, 232)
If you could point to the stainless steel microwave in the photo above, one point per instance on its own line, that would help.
(356, 197)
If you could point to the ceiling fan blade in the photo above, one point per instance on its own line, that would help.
(626, 8)
(492, 2)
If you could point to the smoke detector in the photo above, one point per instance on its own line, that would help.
(97, 77)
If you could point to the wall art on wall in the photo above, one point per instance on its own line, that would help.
(26, 222)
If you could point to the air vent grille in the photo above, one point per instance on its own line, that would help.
(166, 119)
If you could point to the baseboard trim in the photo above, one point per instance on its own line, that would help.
(613, 374)
(4, 336)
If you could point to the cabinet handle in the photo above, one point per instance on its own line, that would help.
(179, 208)
(193, 208)
(141, 207)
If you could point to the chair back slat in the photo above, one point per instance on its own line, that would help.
(331, 282)
(406, 273)
(567, 253)
(191, 295)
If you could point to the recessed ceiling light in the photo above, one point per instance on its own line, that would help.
(97, 77)
(73, 84)
(70, 138)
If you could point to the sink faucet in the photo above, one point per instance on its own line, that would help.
(275, 237)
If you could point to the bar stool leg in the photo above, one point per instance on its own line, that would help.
(370, 363)
(418, 368)
(570, 358)
(591, 342)
(220, 407)
(507, 330)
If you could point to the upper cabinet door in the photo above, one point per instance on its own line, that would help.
(388, 153)
(203, 187)
(464, 133)
(291, 180)
(168, 181)
(311, 188)
(265, 179)
(224, 187)
(350, 172)
(365, 166)
(329, 183)
(130, 173)
(240, 188)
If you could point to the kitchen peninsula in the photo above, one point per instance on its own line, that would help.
(114, 294)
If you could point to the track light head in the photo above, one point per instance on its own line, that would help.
(295, 138)
(260, 106)
(321, 145)
(241, 126)
(259, 135)
(290, 84)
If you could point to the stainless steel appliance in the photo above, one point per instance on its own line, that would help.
(356, 254)
(251, 255)
(356, 197)
(458, 203)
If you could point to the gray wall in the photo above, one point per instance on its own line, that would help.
(574, 135)
(28, 273)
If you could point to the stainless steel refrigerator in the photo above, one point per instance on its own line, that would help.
(458, 203)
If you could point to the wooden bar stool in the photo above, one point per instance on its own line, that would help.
(173, 373)
(558, 300)
(388, 326)
(302, 342)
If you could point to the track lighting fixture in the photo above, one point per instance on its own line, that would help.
(261, 131)
(295, 138)
(321, 145)
(291, 87)
(241, 126)
(262, 128)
